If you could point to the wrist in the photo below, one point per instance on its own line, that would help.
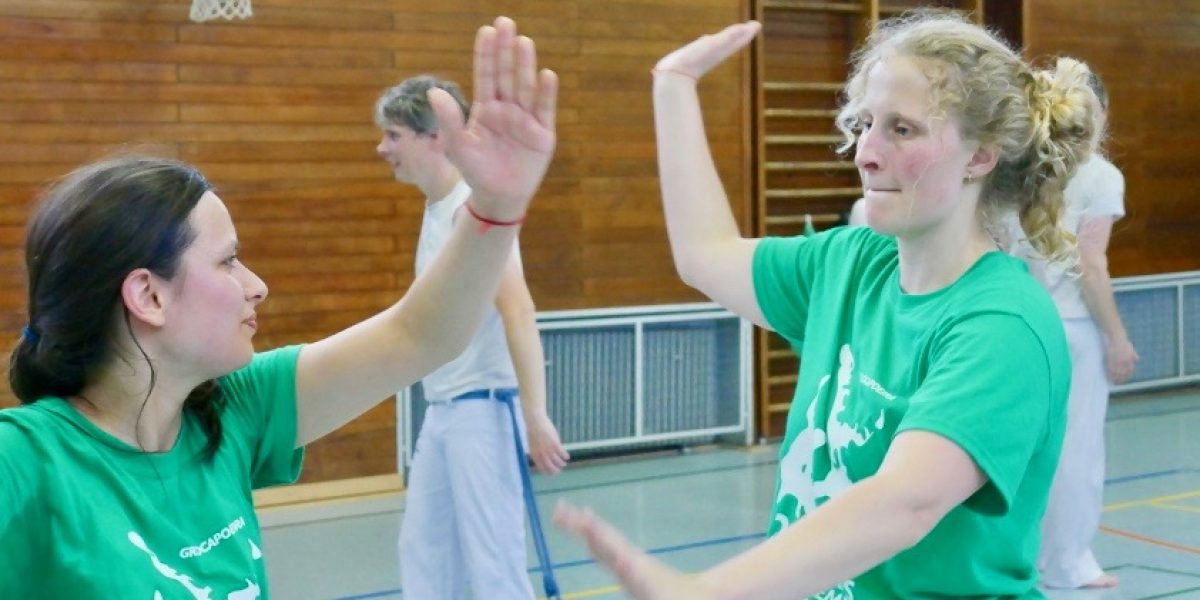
(487, 222)
(533, 415)
(1116, 338)
(672, 73)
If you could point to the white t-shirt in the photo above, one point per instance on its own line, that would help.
(1096, 190)
(486, 362)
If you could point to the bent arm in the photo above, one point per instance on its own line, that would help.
(502, 152)
(344, 375)
(923, 477)
(710, 253)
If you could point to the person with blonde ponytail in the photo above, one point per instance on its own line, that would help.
(930, 406)
(1101, 354)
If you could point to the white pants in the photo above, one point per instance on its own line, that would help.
(1076, 496)
(463, 532)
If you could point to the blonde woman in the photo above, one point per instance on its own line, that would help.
(929, 412)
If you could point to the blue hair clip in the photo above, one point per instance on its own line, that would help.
(30, 334)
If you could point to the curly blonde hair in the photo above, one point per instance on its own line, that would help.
(1039, 120)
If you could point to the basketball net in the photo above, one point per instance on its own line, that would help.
(206, 10)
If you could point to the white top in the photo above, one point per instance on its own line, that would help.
(1096, 190)
(486, 362)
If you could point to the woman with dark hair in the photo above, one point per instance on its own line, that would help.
(147, 418)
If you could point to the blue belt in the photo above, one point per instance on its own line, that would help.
(506, 396)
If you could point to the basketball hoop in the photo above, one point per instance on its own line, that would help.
(206, 10)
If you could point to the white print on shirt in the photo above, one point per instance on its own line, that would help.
(875, 387)
(197, 592)
(844, 591)
(213, 540)
(796, 478)
(250, 592)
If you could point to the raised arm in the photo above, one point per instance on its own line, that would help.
(710, 254)
(502, 153)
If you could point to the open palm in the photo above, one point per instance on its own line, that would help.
(643, 576)
(709, 50)
(505, 147)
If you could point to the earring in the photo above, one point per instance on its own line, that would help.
(970, 178)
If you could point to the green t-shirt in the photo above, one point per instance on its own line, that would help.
(982, 362)
(85, 515)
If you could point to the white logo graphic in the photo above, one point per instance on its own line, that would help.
(215, 539)
(250, 592)
(198, 593)
(835, 437)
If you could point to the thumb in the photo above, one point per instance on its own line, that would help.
(449, 117)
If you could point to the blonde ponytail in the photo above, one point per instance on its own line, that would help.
(1061, 105)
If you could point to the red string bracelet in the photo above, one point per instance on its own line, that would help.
(486, 223)
(657, 70)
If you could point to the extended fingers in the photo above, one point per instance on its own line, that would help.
(485, 63)
(505, 44)
(449, 116)
(547, 98)
(526, 73)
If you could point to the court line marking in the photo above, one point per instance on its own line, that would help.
(1151, 501)
(585, 562)
(612, 589)
(601, 484)
(1170, 594)
(1149, 540)
(1149, 475)
(1178, 507)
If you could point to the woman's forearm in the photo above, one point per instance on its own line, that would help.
(698, 216)
(845, 537)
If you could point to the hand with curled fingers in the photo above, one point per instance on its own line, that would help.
(642, 575)
(1120, 358)
(505, 146)
(707, 51)
(545, 447)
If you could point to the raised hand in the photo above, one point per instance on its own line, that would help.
(643, 576)
(505, 147)
(708, 51)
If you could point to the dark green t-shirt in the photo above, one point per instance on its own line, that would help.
(85, 515)
(982, 363)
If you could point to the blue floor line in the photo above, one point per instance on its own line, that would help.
(581, 563)
(656, 477)
(1150, 475)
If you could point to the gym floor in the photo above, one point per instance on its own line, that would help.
(696, 508)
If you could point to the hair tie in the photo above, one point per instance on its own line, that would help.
(30, 334)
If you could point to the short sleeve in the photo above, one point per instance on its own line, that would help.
(19, 473)
(988, 389)
(788, 272)
(1106, 194)
(261, 414)
(780, 286)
